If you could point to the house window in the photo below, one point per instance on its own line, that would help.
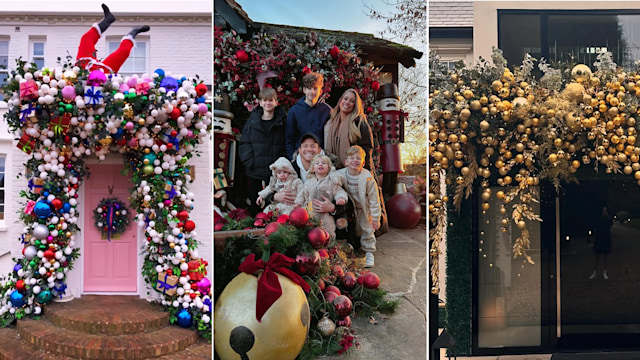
(552, 35)
(2, 186)
(36, 46)
(4, 63)
(137, 61)
(509, 308)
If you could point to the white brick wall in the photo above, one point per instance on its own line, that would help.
(179, 44)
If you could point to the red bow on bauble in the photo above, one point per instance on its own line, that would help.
(269, 289)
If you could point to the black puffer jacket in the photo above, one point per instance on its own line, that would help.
(257, 148)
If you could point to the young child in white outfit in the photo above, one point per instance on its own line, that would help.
(363, 189)
(284, 178)
(322, 180)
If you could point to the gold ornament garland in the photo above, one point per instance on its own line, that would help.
(490, 126)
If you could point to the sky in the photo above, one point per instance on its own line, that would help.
(344, 15)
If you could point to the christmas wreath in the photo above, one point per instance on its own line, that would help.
(111, 217)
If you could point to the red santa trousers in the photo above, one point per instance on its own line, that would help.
(87, 52)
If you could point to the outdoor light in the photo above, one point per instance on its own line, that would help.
(589, 232)
(567, 238)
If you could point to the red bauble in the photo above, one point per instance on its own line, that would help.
(346, 322)
(183, 215)
(329, 296)
(321, 284)
(403, 211)
(375, 86)
(189, 225)
(317, 237)
(175, 113)
(360, 279)
(263, 216)
(307, 264)
(201, 89)
(299, 217)
(282, 219)
(218, 226)
(349, 280)
(271, 228)
(334, 52)
(324, 254)
(242, 56)
(333, 289)
(49, 254)
(259, 223)
(20, 285)
(337, 271)
(371, 281)
(57, 203)
(343, 306)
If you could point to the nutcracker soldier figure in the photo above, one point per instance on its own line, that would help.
(391, 135)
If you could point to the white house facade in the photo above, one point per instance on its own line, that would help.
(179, 42)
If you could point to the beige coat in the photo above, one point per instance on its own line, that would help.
(368, 192)
(331, 187)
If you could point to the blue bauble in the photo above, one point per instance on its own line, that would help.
(17, 267)
(169, 83)
(17, 299)
(201, 100)
(118, 133)
(44, 296)
(45, 194)
(42, 209)
(160, 72)
(184, 318)
(66, 207)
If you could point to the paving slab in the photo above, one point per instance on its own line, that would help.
(401, 263)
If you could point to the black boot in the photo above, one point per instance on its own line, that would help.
(135, 31)
(107, 20)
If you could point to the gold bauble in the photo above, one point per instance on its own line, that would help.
(581, 73)
(70, 76)
(553, 158)
(521, 224)
(484, 125)
(127, 111)
(575, 164)
(465, 114)
(282, 331)
(475, 105)
(465, 171)
(627, 170)
(468, 94)
(496, 85)
(485, 206)
(105, 141)
(459, 180)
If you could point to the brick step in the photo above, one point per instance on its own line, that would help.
(49, 337)
(13, 348)
(203, 350)
(110, 315)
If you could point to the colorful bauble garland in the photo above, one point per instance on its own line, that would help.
(111, 217)
(155, 121)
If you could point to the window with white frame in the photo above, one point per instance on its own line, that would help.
(137, 61)
(36, 48)
(4, 62)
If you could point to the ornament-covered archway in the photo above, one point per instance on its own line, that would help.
(64, 114)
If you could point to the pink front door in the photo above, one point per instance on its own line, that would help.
(109, 266)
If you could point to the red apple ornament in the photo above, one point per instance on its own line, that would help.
(317, 237)
(343, 306)
(371, 281)
(299, 217)
(349, 280)
(271, 228)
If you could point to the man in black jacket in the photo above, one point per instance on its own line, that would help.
(262, 143)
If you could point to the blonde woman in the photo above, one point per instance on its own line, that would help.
(348, 126)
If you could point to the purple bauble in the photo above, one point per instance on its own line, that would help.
(69, 92)
(403, 211)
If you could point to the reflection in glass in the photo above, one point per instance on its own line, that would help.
(509, 296)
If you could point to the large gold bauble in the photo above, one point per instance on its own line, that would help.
(70, 76)
(574, 92)
(279, 336)
(581, 73)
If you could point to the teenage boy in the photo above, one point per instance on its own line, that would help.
(262, 143)
(309, 114)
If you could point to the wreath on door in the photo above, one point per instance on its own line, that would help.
(111, 217)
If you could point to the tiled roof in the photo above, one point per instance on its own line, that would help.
(450, 13)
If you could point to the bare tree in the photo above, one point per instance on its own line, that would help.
(406, 24)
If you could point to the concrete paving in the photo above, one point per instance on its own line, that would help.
(401, 263)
